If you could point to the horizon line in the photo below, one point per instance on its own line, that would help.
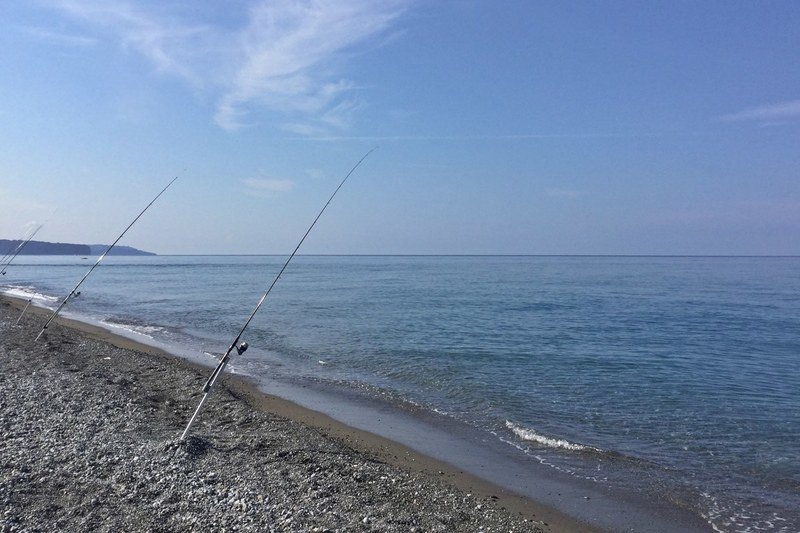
(469, 255)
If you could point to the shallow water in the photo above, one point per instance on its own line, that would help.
(672, 377)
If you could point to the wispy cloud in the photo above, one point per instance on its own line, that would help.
(315, 173)
(267, 187)
(58, 38)
(288, 58)
(467, 138)
(165, 41)
(771, 112)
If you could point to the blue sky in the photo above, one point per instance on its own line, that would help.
(503, 127)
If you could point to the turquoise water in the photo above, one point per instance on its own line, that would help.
(673, 377)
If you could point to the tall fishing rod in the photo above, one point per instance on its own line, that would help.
(18, 250)
(74, 292)
(240, 348)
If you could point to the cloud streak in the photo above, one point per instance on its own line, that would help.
(465, 138)
(262, 187)
(55, 38)
(287, 58)
(778, 111)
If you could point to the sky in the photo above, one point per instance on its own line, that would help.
(502, 127)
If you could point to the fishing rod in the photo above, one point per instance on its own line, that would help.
(6, 261)
(17, 252)
(30, 300)
(19, 249)
(74, 293)
(13, 249)
(241, 347)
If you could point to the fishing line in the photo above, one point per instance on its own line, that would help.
(12, 250)
(8, 258)
(241, 347)
(74, 293)
(19, 249)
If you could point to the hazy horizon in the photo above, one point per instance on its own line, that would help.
(168, 254)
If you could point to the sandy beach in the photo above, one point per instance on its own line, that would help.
(90, 427)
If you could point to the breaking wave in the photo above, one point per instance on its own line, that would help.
(138, 329)
(27, 293)
(528, 434)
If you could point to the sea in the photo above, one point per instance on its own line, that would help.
(636, 393)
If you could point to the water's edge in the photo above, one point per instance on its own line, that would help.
(566, 501)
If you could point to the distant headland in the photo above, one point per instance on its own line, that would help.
(62, 248)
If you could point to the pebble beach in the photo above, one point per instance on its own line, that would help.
(90, 442)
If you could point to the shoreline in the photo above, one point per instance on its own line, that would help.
(362, 443)
(651, 440)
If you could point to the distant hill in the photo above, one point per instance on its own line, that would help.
(98, 249)
(61, 248)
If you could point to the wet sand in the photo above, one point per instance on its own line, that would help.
(90, 426)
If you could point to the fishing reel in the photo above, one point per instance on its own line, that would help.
(242, 348)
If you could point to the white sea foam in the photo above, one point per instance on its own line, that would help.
(736, 517)
(28, 293)
(548, 463)
(530, 435)
(146, 331)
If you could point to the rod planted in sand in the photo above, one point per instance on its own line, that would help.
(74, 293)
(23, 311)
(241, 347)
(9, 257)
